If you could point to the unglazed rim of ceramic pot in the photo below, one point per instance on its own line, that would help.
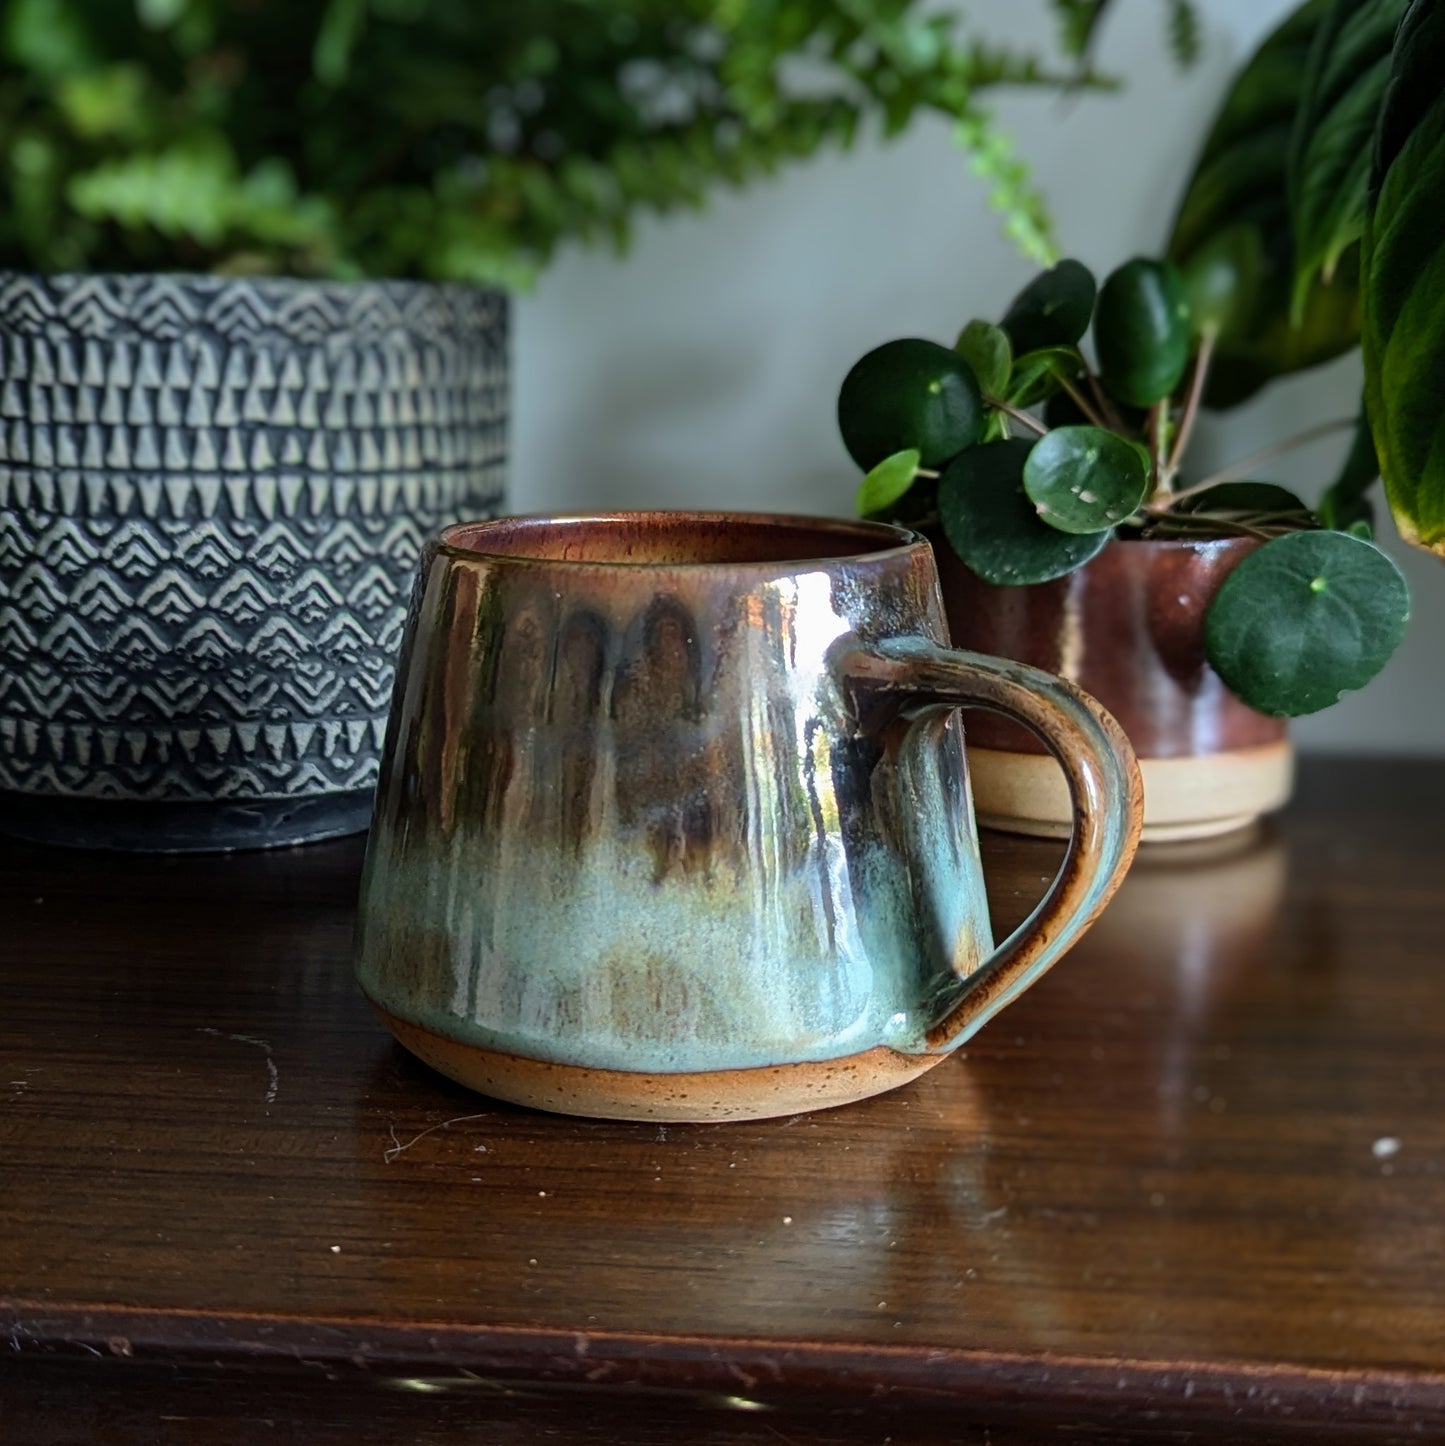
(1196, 797)
(702, 1096)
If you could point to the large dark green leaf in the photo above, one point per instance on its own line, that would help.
(1242, 498)
(1304, 620)
(909, 393)
(1242, 161)
(1334, 131)
(1404, 338)
(1222, 280)
(1052, 310)
(991, 524)
(1239, 181)
(1142, 331)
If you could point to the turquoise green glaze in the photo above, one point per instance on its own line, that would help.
(1115, 805)
(647, 807)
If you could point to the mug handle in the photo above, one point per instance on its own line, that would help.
(911, 677)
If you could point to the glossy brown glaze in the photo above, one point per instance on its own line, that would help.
(1191, 1187)
(674, 802)
(1128, 628)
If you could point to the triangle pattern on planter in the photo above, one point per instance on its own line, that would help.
(213, 495)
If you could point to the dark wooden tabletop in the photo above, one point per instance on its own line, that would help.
(1192, 1187)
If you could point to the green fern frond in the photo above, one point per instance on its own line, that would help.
(1012, 192)
(1183, 32)
(1078, 22)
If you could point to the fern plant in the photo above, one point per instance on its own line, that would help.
(448, 139)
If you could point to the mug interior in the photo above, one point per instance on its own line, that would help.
(677, 539)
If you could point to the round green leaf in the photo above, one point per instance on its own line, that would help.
(1243, 497)
(1222, 280)
(1053, 309)
(992, 525)
(1305, 619)
(1142, 331)
(909, 393)
(887, 482)
(985, 347)
(1084, 479)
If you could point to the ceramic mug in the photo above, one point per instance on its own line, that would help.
(674, 820)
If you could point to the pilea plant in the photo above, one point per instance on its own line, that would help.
(1030, 456)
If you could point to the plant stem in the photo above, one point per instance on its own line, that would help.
(998, 404)
(1101, 398)
(1246, 465)
(1191, 407)
(1177, 522)
(1158, 414)
(1090, 414)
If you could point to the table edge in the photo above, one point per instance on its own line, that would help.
(1042, 1384)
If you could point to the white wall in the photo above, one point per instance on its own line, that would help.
(701, 369)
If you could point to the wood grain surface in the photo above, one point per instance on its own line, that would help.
(1191, 1187)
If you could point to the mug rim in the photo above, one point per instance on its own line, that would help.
(892, 541)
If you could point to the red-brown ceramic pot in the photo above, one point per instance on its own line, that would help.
(1128, 628)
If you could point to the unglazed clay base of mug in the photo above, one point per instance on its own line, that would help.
(1184, 798)
(711, 1095)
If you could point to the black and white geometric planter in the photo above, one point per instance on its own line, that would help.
(213, 492)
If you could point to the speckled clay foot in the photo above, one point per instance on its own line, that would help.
(722, 1094)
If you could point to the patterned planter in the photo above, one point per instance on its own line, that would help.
(213, 493)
